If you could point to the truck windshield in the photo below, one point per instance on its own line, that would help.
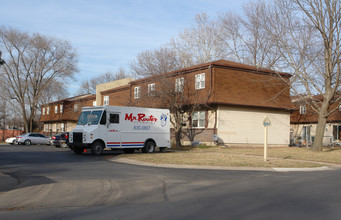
(91, 118)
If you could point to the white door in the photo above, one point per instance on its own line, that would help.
(114, 131)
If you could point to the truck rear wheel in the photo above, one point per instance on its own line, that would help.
(97, 148)
(149, 147)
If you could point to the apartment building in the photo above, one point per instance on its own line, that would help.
(223, 98)
(304, 121)
(62, 115)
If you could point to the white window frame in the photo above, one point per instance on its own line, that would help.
(56, 109)
(151, 89)
(61, 109)
(200, 81)
(106, 100)
(94, 103)
(303, 109)
(179, 84)
(48, 110)
(137, 92)
(46, 127)
(200, 117)
(43, 111)
(62, 127)
(75, 107)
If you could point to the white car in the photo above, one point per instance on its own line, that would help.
(11, 140)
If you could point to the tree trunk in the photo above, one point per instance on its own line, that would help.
(178, 138)
(321, 126)
(178, 132)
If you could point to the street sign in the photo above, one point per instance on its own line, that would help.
(266, 124)
(266, 121)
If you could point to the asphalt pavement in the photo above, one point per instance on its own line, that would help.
(40, 182)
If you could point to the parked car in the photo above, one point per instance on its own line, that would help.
(32, 138)
(11, 140)
(60, 140)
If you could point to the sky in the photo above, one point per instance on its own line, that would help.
(109, 34)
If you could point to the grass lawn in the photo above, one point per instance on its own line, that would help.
(241, 157)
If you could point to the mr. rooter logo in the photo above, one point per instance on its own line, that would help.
(140, 118)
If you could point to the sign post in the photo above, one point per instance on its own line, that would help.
(266, 124)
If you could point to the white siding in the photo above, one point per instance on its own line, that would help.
(237, 125)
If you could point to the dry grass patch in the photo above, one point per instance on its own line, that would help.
(232, 157)
(329, 155)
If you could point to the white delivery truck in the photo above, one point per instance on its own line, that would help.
(115, 127)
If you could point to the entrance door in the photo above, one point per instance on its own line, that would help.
(306, 135)
(337, 132)
(114, 130)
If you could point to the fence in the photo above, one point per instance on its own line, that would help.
(4, 134)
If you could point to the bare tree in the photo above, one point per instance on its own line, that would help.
(54, 92)
(89, 86)
(307, 33)
(246, 39)
(199, 44)
(174, 93)
(154, 62)
(32, 62)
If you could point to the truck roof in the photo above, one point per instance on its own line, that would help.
(103, 107)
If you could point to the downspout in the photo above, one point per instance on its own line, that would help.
(209, 96)
(210, 91)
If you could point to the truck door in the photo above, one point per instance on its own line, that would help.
(114, 130)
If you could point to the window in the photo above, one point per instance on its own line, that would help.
(62, 127)
(106, 100)
(200, 81)
(114, 118)
(303, 109)
(43, 111)
(179, 84)
(56, 109)
(198, 119)
(61, 109)
(94, 103)
(46, 127)
(104, 118)
(75, 107)
(151, 89)
(339, 106)
(48, 110)
(137, 92)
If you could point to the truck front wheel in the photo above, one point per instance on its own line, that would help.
(149, 147)
(97, 148)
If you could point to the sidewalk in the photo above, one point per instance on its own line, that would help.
(327, 166)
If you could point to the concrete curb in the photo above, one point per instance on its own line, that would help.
(303, 169)
(177, 166)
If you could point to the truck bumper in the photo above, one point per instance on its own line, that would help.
(72, 146)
